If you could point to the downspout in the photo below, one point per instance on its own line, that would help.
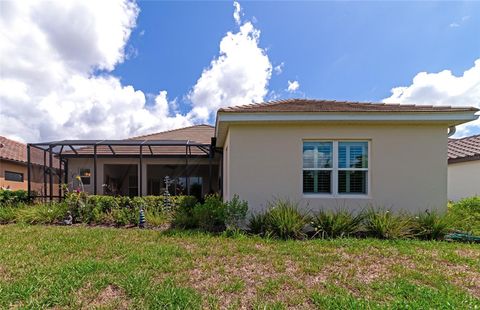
(451, 131)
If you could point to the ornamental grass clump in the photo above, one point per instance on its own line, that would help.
(285, 220)
(257, 223)
(431, 225)
(383, 224)
(336, 224)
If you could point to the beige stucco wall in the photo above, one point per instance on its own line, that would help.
(463, 179)
(408, 164)
(18, 167)
(75, 164)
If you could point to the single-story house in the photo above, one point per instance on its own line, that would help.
(13, 167)
(320, 153)
(463, 167)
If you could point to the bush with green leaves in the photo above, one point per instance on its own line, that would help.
(7, 214)
(257, 223)
(283, 219)
(210, 216)
(48, 213)
(335, 224)
(431, 225)
(465, 215)
(235, 213)
(120, 210)
(384, 224)
(183, 215)
(14, 198)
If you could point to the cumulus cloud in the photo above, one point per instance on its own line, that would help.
(239, 75)
(293, 86)
(50, 51)
(237, 12)
(444, 88)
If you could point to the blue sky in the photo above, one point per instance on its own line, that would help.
(336, 50)
(119, 68)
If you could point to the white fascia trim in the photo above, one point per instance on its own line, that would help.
(415, 116)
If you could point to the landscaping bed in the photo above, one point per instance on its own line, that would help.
(96, 267)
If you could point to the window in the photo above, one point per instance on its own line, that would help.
(85, 176)
(335, 167)
(317, 167)
(13, 176)
(352, 167)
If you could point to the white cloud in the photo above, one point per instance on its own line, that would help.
(239, 75)
(444, 88)
(293, 86)
(279, 68)
(47, 90)
(51, 88)
(460, 22)
(237, 12)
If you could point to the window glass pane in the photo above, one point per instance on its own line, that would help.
(317, 155)
(13, 176)
(353, 154)
(317, 181)
(85, 176)
(352, 182)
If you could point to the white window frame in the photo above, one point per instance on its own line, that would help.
(335, 169)
(331, 169)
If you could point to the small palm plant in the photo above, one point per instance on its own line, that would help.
(383, 224)
(285, 220)
(431, 225)
(335, 224)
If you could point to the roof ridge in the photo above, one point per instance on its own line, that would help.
(466, 138)
(300, 101)
(170, 130)
(14, 141)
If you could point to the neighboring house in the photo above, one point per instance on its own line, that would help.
(463, 167)
(320, 153)
(13, 166)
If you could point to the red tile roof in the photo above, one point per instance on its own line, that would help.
(310, 105)
(197, 133)
(17, 151)
(464, 149)
(200, 134)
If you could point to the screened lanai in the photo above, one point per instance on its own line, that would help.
(133, 167)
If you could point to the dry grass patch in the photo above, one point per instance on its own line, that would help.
(111, 297)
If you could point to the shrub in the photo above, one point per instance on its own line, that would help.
(7, 214)
(431, 225)
(13, 198)
(49, 213)
(465, 215)
(235, 213)
(334, 224)
(257, 224)
(183, 217)
(210, 216)
(285, 220)
(384, 224)
(156, 219)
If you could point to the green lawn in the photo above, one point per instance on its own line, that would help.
(84, 267)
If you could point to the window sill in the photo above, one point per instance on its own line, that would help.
(331, 196)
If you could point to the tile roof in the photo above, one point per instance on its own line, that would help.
(464, 149)
(197, 133)
(201, 134)
(310, 105)
(17, 151)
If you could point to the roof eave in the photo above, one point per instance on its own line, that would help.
(449, 118)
